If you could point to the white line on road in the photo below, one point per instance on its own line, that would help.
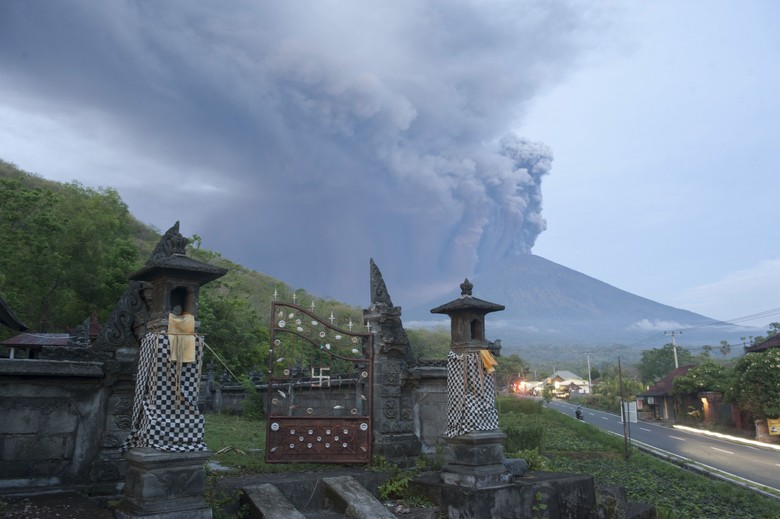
(604, 418)
(721, 450)
(648, 430)
(677, 438)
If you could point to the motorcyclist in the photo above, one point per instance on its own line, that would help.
(578, 412)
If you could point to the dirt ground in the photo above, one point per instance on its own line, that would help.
(53, 506)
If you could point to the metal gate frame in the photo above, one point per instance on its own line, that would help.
(316, 433)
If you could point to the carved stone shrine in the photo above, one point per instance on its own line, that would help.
(165, 449)
(475, 452)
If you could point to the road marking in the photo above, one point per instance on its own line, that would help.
(721, 450)
(604, 418)
(677, 438)
(648, 430)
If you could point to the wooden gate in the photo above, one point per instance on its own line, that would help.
(319, 390)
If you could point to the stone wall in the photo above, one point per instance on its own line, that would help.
(50, 431)
(429, 397)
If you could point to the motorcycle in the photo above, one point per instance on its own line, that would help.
(578, 414)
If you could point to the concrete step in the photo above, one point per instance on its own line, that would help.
(267, 502)
(350, 497)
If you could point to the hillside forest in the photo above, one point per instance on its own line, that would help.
(66, 251)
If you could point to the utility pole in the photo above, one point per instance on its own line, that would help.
(590, 383)
(623, 411)
(674, 345)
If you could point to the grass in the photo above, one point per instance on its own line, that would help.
(573, 446)
(238, 443)
(568, 446)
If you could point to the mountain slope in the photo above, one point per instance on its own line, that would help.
(547, 303)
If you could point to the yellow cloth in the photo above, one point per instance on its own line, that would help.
(488, 361)
(181, 335)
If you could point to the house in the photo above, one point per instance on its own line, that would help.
(567, 383)
(771, 342)
(657, 403)
(29, 345)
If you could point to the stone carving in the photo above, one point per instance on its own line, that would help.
(393, 338)
(379, 294)
(181, 484)
(111, 440)
(466, 287)
(390, 391)
(391, 409)
(123, 406)
(131, 309)
(123, 422)
(171, 243)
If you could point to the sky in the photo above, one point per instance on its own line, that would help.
(635, 142)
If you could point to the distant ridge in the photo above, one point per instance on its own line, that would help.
(547, 303)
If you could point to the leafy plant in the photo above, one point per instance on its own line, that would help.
(756, 382)
(535, 461)
(524, 437)
(539, 508)
(707, 376)
(512, 404)
(253, 406)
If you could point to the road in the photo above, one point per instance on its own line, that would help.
(757, 464)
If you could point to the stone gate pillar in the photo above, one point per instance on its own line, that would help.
(392, 411)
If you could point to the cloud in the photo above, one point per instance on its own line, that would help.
(753, 288)
(303, 138)
(656, 325)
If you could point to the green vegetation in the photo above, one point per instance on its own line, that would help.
(707, 376)
(430, 344)
(568, 446)
(65, 250)
(238, 442)
(756, 382)
(658, 362)
(573, 446)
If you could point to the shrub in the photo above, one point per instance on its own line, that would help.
(252, 405)
(524, 437)
(519, 405)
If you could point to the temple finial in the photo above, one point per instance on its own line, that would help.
(379, 292)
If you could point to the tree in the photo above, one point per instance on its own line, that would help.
(65, 250)
(236, 338)
(725, 348)
(756, 384)
(508, 369)
(658, 362)
(607, 394)
(707, 376)
(774, 329)
(429, 344)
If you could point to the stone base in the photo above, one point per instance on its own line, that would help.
(398, 447)
(164, 485)
(536, 494)
(475, 460)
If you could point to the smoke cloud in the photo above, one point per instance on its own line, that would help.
(302, 138)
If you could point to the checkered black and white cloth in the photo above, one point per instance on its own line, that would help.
(165, 409)
(471, 398)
